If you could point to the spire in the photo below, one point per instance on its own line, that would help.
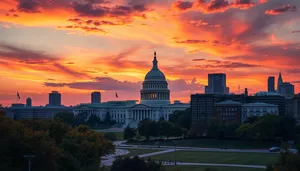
(279, 82)
(155, 61)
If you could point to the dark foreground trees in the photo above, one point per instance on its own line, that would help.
(56, 146)
(135, 164)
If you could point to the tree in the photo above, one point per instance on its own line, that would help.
(56, 145)
(245, 131)
(251, 119)
(66, 117)
(214, 127)
(93, 121)
(182, 118)
(135, 164)
(267, 127)
(110, 136)
(147, 128)
(287, 126)
(129, 132)
(164, 128)
(230, 129)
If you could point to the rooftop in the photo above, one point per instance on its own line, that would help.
(229, 102)
(260, 104)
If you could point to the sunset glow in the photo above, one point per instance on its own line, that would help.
(79, 46)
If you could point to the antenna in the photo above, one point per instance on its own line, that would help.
(239, 88)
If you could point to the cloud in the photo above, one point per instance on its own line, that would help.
(111, 84)
(223, 64)
(281, 10)
(298, 31)
(295, 82)
(120, 62)
(198, 59)
(29, 6)
(182, 5)
(34, 60)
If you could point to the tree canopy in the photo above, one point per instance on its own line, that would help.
(57, 146)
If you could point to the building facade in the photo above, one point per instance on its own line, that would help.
(154, 102)
(203, 105)
(28, 102)
(229, 111)
(20, 111)
(54, 98)
(96, 97)
(258, 109)
(286, 89)
(296, 107)
(271, 84)
(216, 84)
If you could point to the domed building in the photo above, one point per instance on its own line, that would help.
(154, 103)
(155, 87)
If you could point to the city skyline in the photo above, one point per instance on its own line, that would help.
(77, 48)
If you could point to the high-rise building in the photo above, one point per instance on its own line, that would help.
(216, 84)
(54, 98)
(96, 97)
(286, 89)
(279, 81)
(271, 84)
(28, 102)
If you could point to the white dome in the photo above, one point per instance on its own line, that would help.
(155, 87)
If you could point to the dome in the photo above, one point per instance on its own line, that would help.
(155, 87)
(155, 74)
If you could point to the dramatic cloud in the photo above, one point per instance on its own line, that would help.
(223, 64)
(277, 11)
(24, 58)
(29, 6)
(182, 5)
(111, 84)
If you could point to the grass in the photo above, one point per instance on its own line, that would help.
(135, 152)
(213, 143)
(202, 168)
(220, 157)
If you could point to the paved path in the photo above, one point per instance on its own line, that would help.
(156, 153)
(120, 145)
(211, 164)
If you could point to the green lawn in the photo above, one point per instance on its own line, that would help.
(202, 168)
(220, 157)
(214, 143)
(135, 152)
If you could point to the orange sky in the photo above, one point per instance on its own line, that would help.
(79, 46)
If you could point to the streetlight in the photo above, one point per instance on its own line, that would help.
(29, 158)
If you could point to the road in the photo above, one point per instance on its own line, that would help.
(168, 149)
(120, 144)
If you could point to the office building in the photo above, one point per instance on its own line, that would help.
(270, 98)
(296, 107)
(216, 84)
(54, 98)
(203, 105)
(289, 109)
(279, 81)
(96, 97)
(28, 102)
(154, 102)
(228, 111)
(271, 84)
(20, 111)
(258, 109)
(286, 89)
